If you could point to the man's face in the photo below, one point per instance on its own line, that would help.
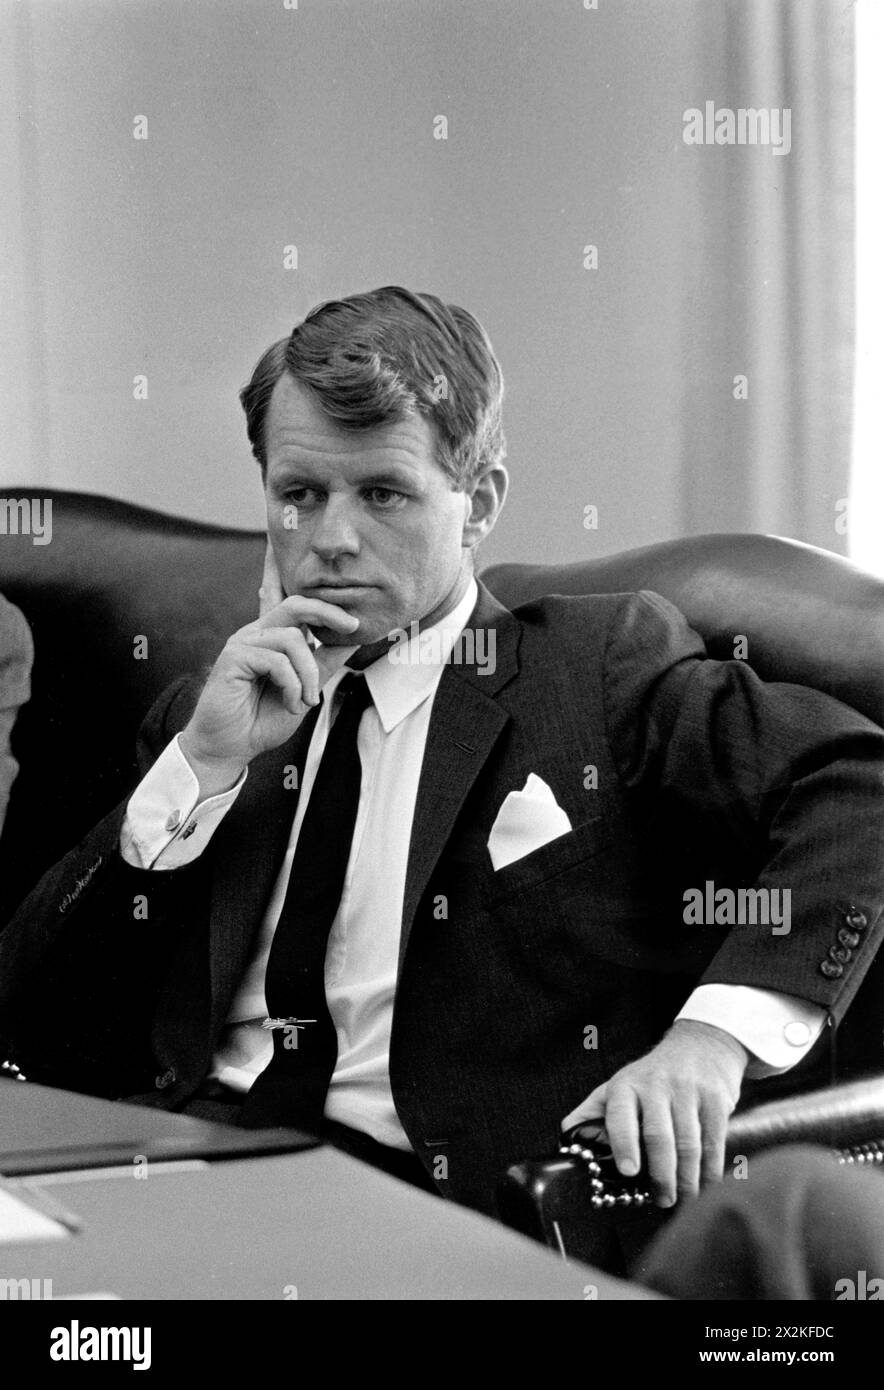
(380, 532)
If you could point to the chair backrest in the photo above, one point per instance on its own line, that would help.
(807, 615)
(111, 574)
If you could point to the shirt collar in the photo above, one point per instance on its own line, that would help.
(409, 672)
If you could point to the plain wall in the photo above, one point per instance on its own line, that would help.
(270, 126)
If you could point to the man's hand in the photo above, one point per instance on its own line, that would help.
(676, 1100)
(262, 685)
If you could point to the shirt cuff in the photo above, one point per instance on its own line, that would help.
(778, 1029)
(164, 827)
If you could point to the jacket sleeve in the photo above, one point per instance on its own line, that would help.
(84, 957)
(791, 776)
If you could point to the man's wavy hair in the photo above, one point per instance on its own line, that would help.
(376, 358)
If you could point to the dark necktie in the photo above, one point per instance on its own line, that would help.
(292, 1088)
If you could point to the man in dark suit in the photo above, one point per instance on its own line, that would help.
(510, 870)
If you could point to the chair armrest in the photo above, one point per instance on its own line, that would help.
(551, 1198)
(841, 1117)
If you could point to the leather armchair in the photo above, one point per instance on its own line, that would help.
(808, 616)
(111, 573)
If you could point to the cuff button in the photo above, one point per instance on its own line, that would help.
(796, 1034)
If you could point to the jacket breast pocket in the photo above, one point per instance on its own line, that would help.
(574, 848)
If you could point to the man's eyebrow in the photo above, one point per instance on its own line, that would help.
(391, 477)
(375, 475)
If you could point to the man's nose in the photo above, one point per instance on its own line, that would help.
(334, 532)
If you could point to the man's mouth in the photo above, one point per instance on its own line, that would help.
(338, 584)
(338, 589)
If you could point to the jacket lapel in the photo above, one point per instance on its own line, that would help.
(465, 724)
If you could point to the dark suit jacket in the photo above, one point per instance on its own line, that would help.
(704, 772)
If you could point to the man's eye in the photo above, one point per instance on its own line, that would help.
(385, 497)
(299, 495)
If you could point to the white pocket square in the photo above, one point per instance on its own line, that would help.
(527, 820)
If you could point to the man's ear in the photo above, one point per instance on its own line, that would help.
(486, 496)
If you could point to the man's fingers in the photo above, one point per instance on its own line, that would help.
(672, 1106)
(688, 1144)
(670, 1134)
(622, 1128)
(293, 644)
(658, 1134)
(271, 591)
(298, 609)
(260, 661)
(591, 1110)
(713, 1121)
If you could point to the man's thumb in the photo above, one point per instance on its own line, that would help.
(593, 1108)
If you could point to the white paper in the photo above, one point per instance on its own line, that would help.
(21, 1222)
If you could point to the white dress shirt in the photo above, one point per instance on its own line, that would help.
(166, 827)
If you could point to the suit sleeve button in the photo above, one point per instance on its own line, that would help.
(848, 938)
(831, 970)
(165, 1079)
(854, 918)
(840, 954)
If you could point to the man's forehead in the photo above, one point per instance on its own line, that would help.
(296, 429)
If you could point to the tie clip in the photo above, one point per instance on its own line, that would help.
(272, 1023)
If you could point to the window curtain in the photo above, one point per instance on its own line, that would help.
(768, 281)
(866, 514)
